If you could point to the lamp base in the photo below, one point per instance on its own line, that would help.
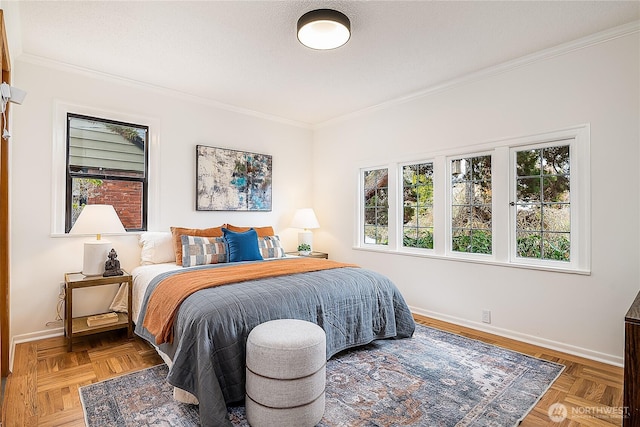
(95, 256)
(306, 237)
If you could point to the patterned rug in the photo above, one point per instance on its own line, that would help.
(433, 379)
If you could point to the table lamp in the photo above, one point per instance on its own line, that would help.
(306, 219)
(96, 219)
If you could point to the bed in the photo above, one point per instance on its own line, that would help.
(206, 339)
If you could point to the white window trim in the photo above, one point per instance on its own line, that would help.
(502, 177)
(59, 152)
(579, 178)
(447, 231)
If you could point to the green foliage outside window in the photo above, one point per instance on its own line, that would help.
(417, 194)
(543, 205)
(471, 211)
(376, 207)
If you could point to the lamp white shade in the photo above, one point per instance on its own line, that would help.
(98, 220)
(306, 219)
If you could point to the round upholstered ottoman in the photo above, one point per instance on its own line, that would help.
(286, 374)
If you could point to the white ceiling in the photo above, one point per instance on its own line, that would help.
(245, 53)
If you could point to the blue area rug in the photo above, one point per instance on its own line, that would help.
(433, 379)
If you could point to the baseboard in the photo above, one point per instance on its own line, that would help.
(530, 339)
(33, 336)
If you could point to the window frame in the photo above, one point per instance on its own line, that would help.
(59, 160)
(70, 175)
(579, 184)
(503, 178)
(362, 207)
(449, 208)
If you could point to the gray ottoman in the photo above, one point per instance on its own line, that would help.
(286, 374)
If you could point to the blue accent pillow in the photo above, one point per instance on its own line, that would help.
(242, 246)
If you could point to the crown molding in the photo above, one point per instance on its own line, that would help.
(543, 55)
(562, 49)
(65, 67)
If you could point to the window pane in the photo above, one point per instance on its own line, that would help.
(425, 217)
(481, 168)
(528, 163)
(410, 234)
(528, 189)
(461, 193)
(529, 217)
(481, 217)
(102, 148)
(556, 246)
(471, 211)
(461, 217)
(481, 194)
(555, 160)
(556, 188)
(382, 197)
(124, 196)
(481, 242)
(370, 234)
(557, 217)
(529, 245)
(376, 202)
(417, 193)
(543, 229)
(461, 240)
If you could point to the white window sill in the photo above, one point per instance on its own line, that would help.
(567, 270)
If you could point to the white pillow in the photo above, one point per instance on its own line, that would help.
(157, 247)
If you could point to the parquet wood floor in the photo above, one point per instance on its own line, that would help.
(43, 387)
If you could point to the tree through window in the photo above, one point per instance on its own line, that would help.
(471, 213)
(543, 203)
(376, 206)
(417, 211)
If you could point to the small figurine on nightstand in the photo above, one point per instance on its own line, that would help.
(112, 266)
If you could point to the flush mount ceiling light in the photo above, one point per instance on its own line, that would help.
(324, 29)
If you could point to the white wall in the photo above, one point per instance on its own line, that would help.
(39, 260)
(582, 314)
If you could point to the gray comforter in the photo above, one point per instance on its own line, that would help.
(353, 305)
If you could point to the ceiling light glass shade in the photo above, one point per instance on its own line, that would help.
(324, 29)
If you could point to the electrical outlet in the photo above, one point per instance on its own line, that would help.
(486, 316)
(61, 291)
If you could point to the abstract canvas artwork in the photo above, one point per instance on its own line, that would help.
(230, 180)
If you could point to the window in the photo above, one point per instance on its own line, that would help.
(106, 163)
(417, 197)
(521, 202)
(543, 203)
(471, 212)
(376, 206)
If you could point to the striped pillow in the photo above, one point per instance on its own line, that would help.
(203, 250)
(270, 247)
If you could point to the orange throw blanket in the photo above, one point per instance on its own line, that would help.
(168, 295)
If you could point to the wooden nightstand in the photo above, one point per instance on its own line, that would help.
(313, 254)
(75, 327)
